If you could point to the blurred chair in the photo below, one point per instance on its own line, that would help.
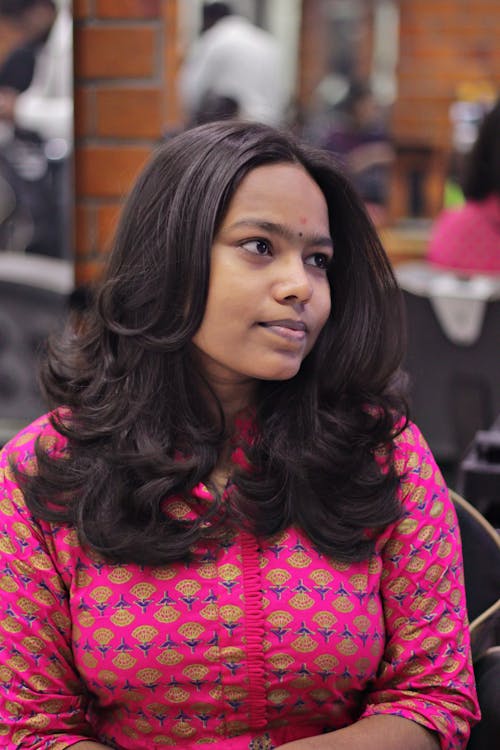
(487, 673)
(452, 359)
(33, 303)
(481, 553)
(478, 475)
(417, 180)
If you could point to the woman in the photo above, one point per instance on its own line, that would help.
(467, 239)
(227, 533)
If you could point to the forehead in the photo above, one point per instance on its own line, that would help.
(284, 189)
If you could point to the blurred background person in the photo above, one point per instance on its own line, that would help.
(36, 126)
(38, 73)
(34, 20)
(359, 136)
(233, 69)
(468, 238)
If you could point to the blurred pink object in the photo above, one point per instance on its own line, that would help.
(468, 238)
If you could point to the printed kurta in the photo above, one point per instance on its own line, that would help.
(251, 644)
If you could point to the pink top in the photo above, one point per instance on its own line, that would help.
(250, 645)
(468, 238)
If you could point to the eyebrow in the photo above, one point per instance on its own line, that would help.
(314, 240)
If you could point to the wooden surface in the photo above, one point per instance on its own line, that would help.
(405, 242)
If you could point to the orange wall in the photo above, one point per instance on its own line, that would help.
(124, 100)
(443, 44)
(126, 58)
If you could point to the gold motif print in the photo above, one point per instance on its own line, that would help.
(144, 634)
(299, 559)
(304, 644)
(124, 661)
(121, 618)
(119, 575)
(302, 601)
(170, 657)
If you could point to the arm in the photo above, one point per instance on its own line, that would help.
(42, 700)
(374, 733)
(425, 674)
(423, 697)
(88, 746)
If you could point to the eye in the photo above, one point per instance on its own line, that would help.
(319, 260)
(258, 246)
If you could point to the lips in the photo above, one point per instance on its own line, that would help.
(290, 330)
(293, 325)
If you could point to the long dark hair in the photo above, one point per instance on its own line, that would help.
(135, 398)
(482, 167)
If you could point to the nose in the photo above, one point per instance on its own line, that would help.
(293, 283)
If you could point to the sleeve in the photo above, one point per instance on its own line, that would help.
(426, 672)
(42, 700)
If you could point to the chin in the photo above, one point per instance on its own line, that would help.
(284, 373)
(278, 367)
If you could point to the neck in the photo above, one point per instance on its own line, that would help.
(233, 397)
(234, 392)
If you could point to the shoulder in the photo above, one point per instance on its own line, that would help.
(17, 522)
(422, 491)
(410, 448)
(427, 514)
(21, 449)
(419, 475)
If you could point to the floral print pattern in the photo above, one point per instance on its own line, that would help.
(251, 644)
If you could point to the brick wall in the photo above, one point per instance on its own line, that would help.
(126, 58)
(448, 49)
(125, 64)
(443, 45)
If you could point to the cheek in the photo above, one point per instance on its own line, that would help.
(228, 293)
(227, 312)
(324, 306)
(322, 314)
(223, 319)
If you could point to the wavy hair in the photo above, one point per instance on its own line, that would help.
(135, 397)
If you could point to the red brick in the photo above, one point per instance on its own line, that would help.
(81, 9)
(84, 230)
(88, 271)
(129, 8)
(115, 52)
(129, 112)
(84, 111)
(107, 172)
(172, 60)
(107, 220)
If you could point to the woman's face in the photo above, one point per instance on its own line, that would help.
(269, 296)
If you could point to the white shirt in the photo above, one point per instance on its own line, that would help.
(234, 58)
(47, 105)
